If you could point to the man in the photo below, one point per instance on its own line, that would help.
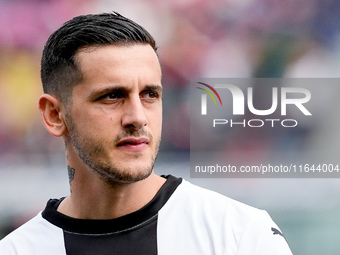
(103, 96)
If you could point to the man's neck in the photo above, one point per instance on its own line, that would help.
(92, 198)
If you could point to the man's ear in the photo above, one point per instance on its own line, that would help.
(50, 109)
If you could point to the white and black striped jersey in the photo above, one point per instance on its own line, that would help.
(182, 219)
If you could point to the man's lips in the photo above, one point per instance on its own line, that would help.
(133, 144)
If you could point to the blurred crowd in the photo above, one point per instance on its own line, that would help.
(196, 38)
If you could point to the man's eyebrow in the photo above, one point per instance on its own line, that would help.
(101, 92)
(155, 87)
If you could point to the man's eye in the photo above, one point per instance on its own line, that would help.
(111, 96)
(150, 95)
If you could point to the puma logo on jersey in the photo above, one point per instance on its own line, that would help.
(277, 232)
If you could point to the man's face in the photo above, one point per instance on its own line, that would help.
(115, 118)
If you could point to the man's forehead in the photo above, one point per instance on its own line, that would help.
(100, 58)
(119, 50)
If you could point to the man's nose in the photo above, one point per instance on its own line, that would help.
(134, 114)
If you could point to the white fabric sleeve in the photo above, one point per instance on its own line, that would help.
(263, 237)
(6, 247)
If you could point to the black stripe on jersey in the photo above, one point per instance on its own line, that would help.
(141, 240)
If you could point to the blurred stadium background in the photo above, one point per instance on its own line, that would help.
(196, 38)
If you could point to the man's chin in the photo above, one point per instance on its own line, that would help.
(121, 175)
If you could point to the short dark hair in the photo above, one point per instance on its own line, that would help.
(59, 70)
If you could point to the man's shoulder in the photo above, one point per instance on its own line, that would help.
(26, 228)
(199, 196)
(30, 237)
(196, 214)
(211, 207)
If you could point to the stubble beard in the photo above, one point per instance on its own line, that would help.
(89, 150)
